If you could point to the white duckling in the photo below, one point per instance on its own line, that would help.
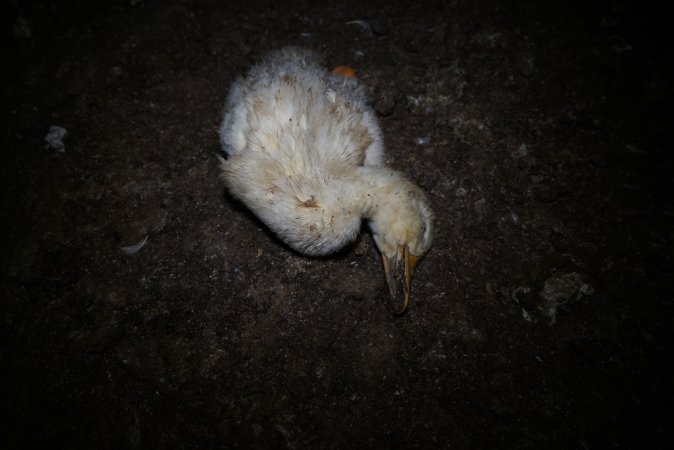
(305, 154)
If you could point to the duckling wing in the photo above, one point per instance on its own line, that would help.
(352, 96)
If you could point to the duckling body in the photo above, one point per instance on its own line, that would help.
(306, 155)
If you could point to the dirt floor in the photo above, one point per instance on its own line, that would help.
(541, 317)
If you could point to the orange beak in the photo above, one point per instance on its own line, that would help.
(399, 275)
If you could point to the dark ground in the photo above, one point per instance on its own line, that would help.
(541, 318)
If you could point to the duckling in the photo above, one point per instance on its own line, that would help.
(305, 153)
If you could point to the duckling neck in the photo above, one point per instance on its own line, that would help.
(378, 191)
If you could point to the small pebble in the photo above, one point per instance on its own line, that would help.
(54, 139)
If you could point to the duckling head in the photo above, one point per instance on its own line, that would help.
(402, 227)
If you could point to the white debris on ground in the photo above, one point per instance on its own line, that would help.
(362, 24)
(422, 140)
(54, 139)
(562, 289)
(131, 249)
(528, 317)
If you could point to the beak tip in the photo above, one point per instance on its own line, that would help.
(403, 309)
(399, 274)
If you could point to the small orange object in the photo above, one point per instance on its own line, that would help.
(344, 71)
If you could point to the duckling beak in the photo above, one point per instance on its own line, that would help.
(398, 274)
